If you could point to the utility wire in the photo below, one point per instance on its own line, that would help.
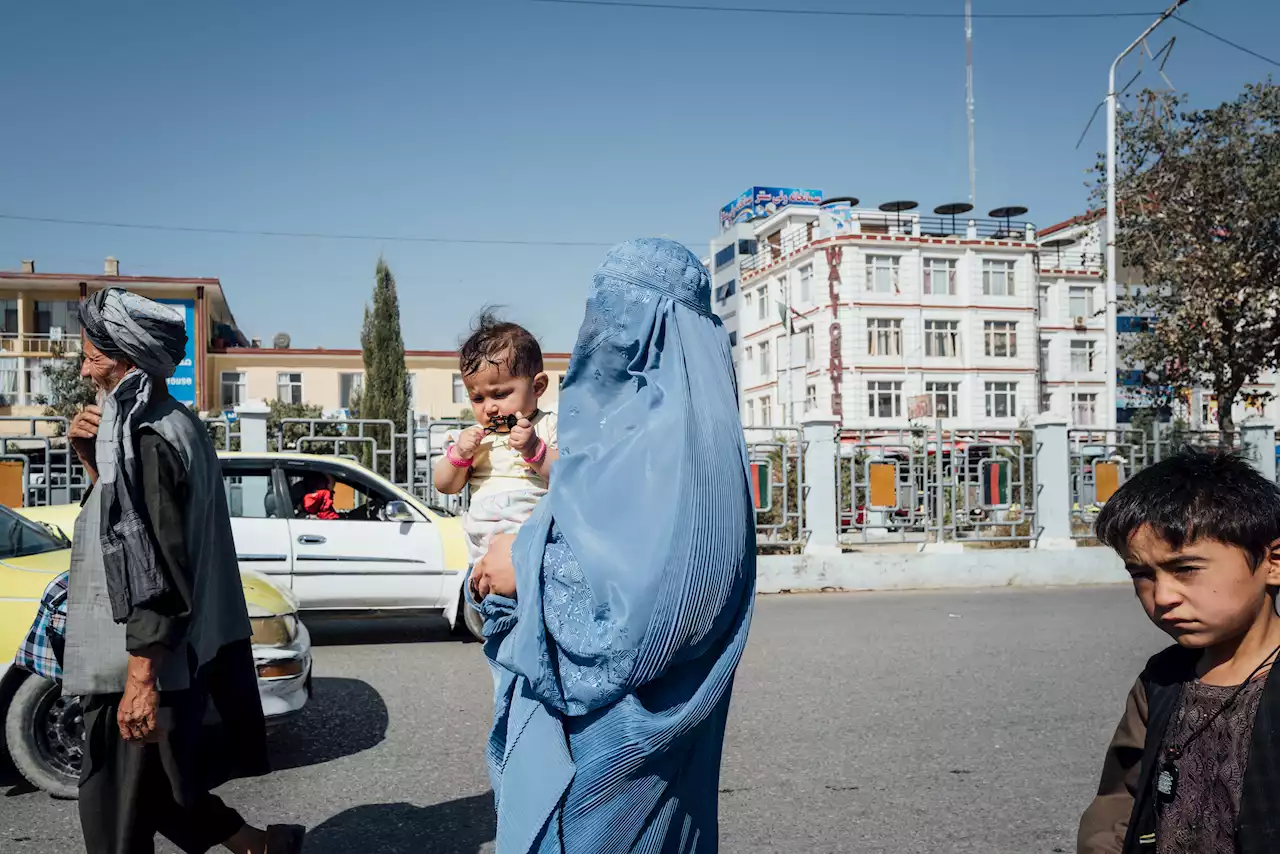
(1225, 41)
(847, 13)
(481, 241)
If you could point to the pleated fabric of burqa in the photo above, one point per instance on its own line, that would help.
(635, 579)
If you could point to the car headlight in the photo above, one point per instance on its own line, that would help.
(274, 631)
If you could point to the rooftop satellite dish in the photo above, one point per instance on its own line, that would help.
(281, 341)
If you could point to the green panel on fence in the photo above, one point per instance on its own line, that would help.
(995, 483)
(761, 478)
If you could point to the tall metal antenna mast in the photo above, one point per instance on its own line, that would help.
(968, 65)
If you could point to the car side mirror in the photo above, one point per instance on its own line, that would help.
(399, 511)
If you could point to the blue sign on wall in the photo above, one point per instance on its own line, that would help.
(182, 385)
(765, 201)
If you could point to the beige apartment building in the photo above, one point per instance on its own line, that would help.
(329, 378)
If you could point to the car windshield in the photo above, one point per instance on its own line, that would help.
(21, 537)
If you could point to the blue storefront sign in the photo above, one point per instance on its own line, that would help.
(182, 385)
(764, 201)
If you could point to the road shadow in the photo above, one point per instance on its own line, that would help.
(454, 827)
(12, 783)
(343, 717)
(349, 630)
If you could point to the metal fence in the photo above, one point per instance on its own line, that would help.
(777, 455)
(930, 485)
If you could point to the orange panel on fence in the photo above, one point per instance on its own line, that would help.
(11, 483)
(883, 480)
(1106, 480)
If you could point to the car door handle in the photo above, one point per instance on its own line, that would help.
(311, 540)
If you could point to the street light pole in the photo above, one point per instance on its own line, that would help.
(1113, 362)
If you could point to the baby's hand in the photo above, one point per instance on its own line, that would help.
(523, 440)
(469, 442)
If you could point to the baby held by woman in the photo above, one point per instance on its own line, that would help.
(507, 456)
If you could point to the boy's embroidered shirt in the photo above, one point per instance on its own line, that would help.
(1202, 818)
(496, 468)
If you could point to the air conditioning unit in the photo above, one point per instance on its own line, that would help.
(1081, 322)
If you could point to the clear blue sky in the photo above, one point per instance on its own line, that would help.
(520, 120)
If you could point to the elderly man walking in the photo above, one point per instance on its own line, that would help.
(157, 630)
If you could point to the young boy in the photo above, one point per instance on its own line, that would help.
(1194, 765)
(506, 457)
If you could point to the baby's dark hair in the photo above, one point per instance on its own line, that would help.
(493, 341)
(1196, 495)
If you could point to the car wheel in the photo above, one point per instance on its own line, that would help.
(471, 618)
(45, 733)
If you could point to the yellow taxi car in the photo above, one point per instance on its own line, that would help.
(42, 730)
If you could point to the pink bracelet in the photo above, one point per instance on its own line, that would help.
(538, 457)
(456, 461)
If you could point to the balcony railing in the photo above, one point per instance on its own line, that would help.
(38, 342)
(1088, 261)
(896, 225)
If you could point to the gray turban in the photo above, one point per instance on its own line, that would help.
(147, 333)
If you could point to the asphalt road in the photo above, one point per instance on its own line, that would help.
(919, 722)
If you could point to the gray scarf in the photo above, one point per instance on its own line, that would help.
(153, 337)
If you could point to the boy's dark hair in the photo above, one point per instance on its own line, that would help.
(1196, 495)
(494, 341)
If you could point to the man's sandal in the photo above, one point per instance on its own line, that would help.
(285, 838)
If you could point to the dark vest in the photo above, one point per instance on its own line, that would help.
(1258, 825)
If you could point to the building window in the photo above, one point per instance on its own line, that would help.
(884, 400)
(233, 389)
(751, 413)
(9, 318)
(349, 386)
(766, 363)
(289, 387)
(884, 337)
(1084, 409)
(460, 390)
(724, 256)
(733, 338)
(726, 290)
(747, 247)
(1002, 400)
(1044, 354)
(1081, 302)
(766, 410)
(763, 312)
(810, 346)
(940, 276)
(750, 353)
(997, 278)
(942, 338)
(806, 283)
(946, 399)
(1046, 401)
(1208, 410)
(37, 382)
(1044, 301)
(57, 314)
(810, 398)
(882, 274)
(1081, 357)
(1001, 338)
(747, 298)
(8, 382)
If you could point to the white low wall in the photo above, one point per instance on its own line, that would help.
(868, 570)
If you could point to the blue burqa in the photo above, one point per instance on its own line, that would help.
(635, 578)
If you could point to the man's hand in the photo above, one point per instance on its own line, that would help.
(523, 440)
(495, 572)
(469, 442)
(136, 715)
(83, 432)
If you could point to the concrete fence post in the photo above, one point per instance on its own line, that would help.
(253, 426)
(1258, 442)
(821, 457)
(1053, 482)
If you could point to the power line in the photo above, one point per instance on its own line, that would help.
(846, 13)
(1226, 41)
(318, 235)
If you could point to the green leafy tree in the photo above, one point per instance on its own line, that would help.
(1199, 218)
(68, 391)
(385, 394)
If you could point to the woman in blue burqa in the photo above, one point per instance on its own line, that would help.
(616, 619)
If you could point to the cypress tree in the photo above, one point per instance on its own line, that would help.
(386, 379)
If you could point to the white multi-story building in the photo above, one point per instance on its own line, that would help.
(921, 307)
